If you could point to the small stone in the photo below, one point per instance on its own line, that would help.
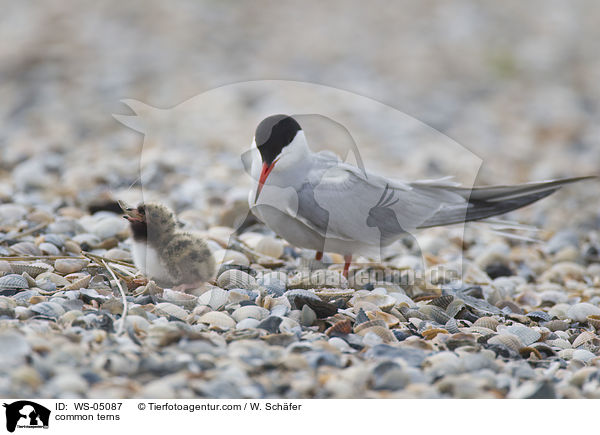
(68, 265)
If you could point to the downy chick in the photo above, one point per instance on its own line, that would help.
(170, 257)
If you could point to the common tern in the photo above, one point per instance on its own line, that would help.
(316, 201)
(164, 253)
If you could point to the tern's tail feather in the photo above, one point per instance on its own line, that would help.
(484, 202)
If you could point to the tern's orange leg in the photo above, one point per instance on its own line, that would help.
(347, 261)
(319, 256)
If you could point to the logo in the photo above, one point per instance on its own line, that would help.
(26, 414)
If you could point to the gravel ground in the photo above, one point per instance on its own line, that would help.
(488, 92)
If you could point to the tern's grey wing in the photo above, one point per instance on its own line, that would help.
(484, 202)
(364, 207)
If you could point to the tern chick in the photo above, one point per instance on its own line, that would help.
(165, 254)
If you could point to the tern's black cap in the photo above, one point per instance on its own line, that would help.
(273, 134)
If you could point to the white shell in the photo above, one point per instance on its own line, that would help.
(229, 256)
(523, 333)
(180, 299)
(234, 278)
(579, 312)
(250, 311)
(217, 319)
(172, 310)
(270, 247)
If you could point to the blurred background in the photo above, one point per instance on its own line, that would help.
(516, 83)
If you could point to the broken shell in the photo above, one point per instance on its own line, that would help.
(508, 340)
(13, 282)
(594, 320)
(25, 248)
(454, 307)
(383, 301)
(250, 311)
(390, 320)
(487, 322)
(234, 278)
(584, 337)
(79, 283)
(342, 327)
(452, 326)
(431, 333)
(33, 269)
(180, 299)
(527, 351)
(334, 293)
(434, 313)
(217, 319)
(307, 316)
(270, 247)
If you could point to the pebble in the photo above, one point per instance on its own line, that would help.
(68, 265)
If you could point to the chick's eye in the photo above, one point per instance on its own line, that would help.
(141, 209)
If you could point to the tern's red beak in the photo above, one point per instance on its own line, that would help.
(266, 170)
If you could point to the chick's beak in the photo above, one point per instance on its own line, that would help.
(133, 215)
(264, 173)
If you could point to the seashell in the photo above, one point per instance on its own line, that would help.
(248, 323)
(526, 335)
(460, 339)
(452, 326)
(454, 307)
(168, 309)
(390, 320)
(368, 324)
(275, 283)
(48, 249)
(583, 355)
(25, 248)
(323, 278)
(32, 269)
(48, 309)
(442, 301)
(233, 278)
(181, 299)
(563, 271)
(510, 306)
(556, 325)
(487, 322)
(380, 331)
(383, 301)
(229, 256)
(434, 313)
(527, 351)
(334, 293)
(13, 282)
(216, 298)
(79, 283)
(298, 298)
(307, 316)
(508, 340)
(580, 312)
(271, 324)
(5, 267)
(342, 327)
(539, 316)
(402, 300)
(594, 320)
(270, 247)
(431, 333)
(237, 295)
(250, 311)
(163, 334)
(70, 265)
(239, 334)
(584, 337)
(217, 319)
